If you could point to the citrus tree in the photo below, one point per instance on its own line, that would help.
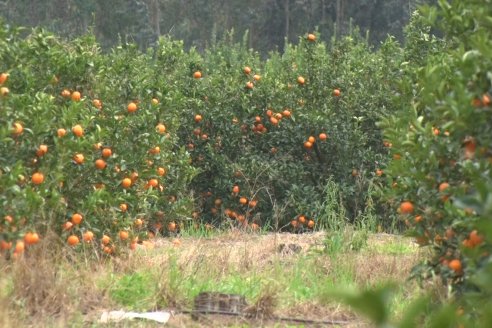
(440, 175)
(89, 146)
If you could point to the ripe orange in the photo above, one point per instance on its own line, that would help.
(4, 91)
(379, 172)
(31, 238)
(73, 240)
(198, 118)
(78, 158)
(406, 207)
(197, 74)
(249, 85)
(171, 226)
(161, 128)
(77, 130)
(134, 176)
(138, 222)
(302, 219)
(286, 113)
(294, 223)
(336, 93)
(126, 183)
(235, 189)
(312, 139)
(106, 152)
(475, 238)
(76, 96)
(243, 201)
(436, 131)
(5, 245)
(123, 207)
(255, 226)
(67, 225)
(97, 103)
(132, 107)
(77, 218)
(247, 70)
(456, 266)
(418, 218)
(252, 203)
(308, 145)
(61, 132)
(310, 224)
(19, 247)
(161, 171)
(37, 178)
(311, 37)
(256, 77)
(274, 120)
(108, 250)
(88, 236)
(485, 99)
(105, 240)
(269, 113)
(3, 78)
(65, 93)
(322, 136)
(443, 186)
(42, 150)
(100, 164)
(155, 150)
(17, 129)
(153, 183)
(123, 234)
(301, 80)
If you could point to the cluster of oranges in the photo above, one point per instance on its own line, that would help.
(302, 222)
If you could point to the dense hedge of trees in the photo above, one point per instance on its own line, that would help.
(268, 22)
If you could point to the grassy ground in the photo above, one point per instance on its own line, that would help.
(288, 275)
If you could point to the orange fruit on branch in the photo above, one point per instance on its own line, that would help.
(100, 164)
(126, 183)
(37, 178)
(77, 130)
(77, 218)
(73, 240)
(106, 152)
(76, 96)
(17, 129)
(132, 107)
(31, 238)
(406, 207)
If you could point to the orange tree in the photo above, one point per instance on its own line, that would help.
(274, 132)
(441, 173)
(88, 149)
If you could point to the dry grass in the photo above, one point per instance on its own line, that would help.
(58, 288)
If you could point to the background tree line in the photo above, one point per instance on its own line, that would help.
(268, 22)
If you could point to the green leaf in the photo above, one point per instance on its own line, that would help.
(373, 303)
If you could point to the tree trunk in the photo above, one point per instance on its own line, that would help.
(287, 19)
(157, 17)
